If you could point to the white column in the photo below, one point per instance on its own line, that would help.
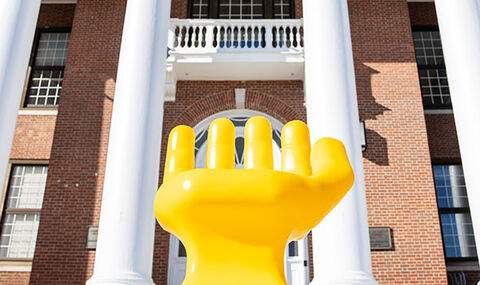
(18, 20)
(341, 250)
(124, 252)
(459, 23)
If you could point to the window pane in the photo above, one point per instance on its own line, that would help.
(199, 9)
(26, 188)
(19, 234)
(450, 186)
(52, 49)
(434, 87)
(182, 252)
(241, 9)
(45, 87)
(282, 9)
(458, 237)
(428, 47)
(293, 249)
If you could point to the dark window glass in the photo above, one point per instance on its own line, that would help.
(282, 9)
(432, 72)
(199, 9)
(241, 9)
(46, 77)
(452, 200)
(293, 249)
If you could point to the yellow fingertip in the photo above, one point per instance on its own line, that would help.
(296, 148)
(180, 151)
(258, 144)
(221, 144)
(295, 133)
(330, 162)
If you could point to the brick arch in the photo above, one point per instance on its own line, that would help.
(223, 101)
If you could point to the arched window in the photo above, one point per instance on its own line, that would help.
(239, 121)
(241, 9)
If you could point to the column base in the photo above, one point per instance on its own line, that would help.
(120, 279)
(347, 278)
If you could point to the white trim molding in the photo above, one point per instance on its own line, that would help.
(16, 265)
(37, 112)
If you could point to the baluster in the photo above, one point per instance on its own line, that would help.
(190, 36)
(243, 37)
(196, 36)
(171, 37)
(183, 37)
(249, 37)
(288, 36)
(295, 36)
(274, 37)
(209, 37)
(236, 37)
(229, 37)
(301, 36)
(268, 36)
(222, 37)
(281, 37)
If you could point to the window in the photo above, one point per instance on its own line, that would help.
(241, 9)
(199, 9)
(282, 9)
(432, 72)
(22, 211)
(48, 62)
(457, 229)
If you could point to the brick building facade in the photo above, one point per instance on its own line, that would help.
(404, 140)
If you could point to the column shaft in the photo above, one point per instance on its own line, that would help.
(126, 230)
(18, 20)
(459, 23)
(341, 251)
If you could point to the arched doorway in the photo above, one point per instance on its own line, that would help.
(296, 253)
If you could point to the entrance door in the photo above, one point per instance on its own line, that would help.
(296, 264)
(296, 253)
(177, 261)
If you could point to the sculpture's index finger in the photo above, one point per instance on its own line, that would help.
(180, 151)
(258, 153)
(221, 144)
(296, 148)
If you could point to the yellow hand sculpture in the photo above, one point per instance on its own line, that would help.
(235, 223)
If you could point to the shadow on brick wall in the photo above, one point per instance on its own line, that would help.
(370, 110)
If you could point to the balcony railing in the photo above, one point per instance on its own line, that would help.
(232, 36)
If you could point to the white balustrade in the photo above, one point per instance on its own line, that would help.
(212, 36)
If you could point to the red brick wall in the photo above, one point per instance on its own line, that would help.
(56, 16)
(179, 9)
(72, 197)
(14, 278)
(400, 190)
(442, 138)
(33, 137)
(422, 14)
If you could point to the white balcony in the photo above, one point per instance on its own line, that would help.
(211, 49)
